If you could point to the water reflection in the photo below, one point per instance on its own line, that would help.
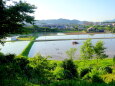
(75, 43)
(57, 49)
(13, 47)
(75, 36)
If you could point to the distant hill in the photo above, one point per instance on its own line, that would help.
(58, 21)
(113, 20)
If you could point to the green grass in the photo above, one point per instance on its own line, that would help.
(87, 63)
(21, 82)
(26, 38)
(26, 51)
(70, 31)
(79, 83)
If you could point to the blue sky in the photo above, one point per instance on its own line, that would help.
(88, 10)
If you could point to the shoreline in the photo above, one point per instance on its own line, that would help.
(82, 33)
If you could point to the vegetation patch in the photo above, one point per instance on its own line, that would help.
(39, 71)
(26, 51)
(27, 38)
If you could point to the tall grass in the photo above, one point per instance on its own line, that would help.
(26, 51)
(79, 83)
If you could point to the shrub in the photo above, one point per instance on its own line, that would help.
(22, 62)
(114, 60)
(108, 69)
(41, 69)
(9, 58)
(71, 53)
(53, 66)
(69, 69)
(2, 58)
(96, 78)
(58, 73)
(8, 67)
(84, 72)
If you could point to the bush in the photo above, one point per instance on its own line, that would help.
(53, 65)
(58, 73)
(2, 58)
(8, 67)
(9, 58)
(84, 72)
(114, 60)
(97, 79)
(108, 69)
(69, 69)
(41, 69)
(36, 70)
(22, 62)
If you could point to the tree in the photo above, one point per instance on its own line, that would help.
(70, 69)
(99, 50)
(76, 28)
(108, 28)
(87, 50)
(14, 17)
(71, 53)
(114, 60)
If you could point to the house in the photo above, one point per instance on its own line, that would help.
(14, 38)
(91, 29)
(80, 27)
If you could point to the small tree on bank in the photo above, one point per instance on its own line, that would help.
(87, 50)
(71, 53)
(70, 69)
(99, 50)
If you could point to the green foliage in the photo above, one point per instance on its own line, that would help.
(80, 83)
(69, 69)
(6, 58)
(34, 70)
(93, 75)
(99, 50)
(8, 67)
(58, 73)
(114, 60)
(97, 79)
(108, 69)
(87, 50)
(25, 52)
(41, 68)
(12, 17)
(71, 53)
(84, 72)
(21, 71)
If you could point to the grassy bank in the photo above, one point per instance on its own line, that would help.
(26, 51)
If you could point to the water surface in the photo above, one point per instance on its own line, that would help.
(13, 47)
(57, 49)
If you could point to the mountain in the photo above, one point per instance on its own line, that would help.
(113, 20)
(58, 21)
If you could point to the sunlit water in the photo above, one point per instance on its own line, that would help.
(13, 47)
(57, 49)
(76, 36)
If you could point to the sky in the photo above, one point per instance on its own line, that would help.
(84, 10)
